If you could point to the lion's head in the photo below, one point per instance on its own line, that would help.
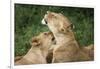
(56, 22)
(43, 41)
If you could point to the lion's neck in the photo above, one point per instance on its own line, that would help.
(36, 54)
(63, 38)
(42, 51)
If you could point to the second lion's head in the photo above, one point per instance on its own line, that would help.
(56, 22)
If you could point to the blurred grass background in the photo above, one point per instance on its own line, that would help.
(28, 23)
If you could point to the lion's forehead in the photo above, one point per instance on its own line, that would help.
(57, 15)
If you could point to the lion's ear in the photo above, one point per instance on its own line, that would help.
(71, 26)
(66, 28)
(35, 41)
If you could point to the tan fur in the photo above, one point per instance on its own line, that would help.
(66, 48)
(18, 58)
(39, 50)
(89, 50)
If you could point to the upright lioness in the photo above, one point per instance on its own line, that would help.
(39, 50)
(66, 48)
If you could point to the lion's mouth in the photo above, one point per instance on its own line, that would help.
(44, 21)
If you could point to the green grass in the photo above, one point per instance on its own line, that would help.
(28, 23)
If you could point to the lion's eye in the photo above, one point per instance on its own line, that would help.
(45, 33)
(53, 39)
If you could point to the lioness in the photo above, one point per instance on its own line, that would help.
(66, 48)
(89, 50)
(39, 50)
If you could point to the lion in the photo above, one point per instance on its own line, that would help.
(89, 50)
(18, 58)
(66, 48)
(39, 50)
